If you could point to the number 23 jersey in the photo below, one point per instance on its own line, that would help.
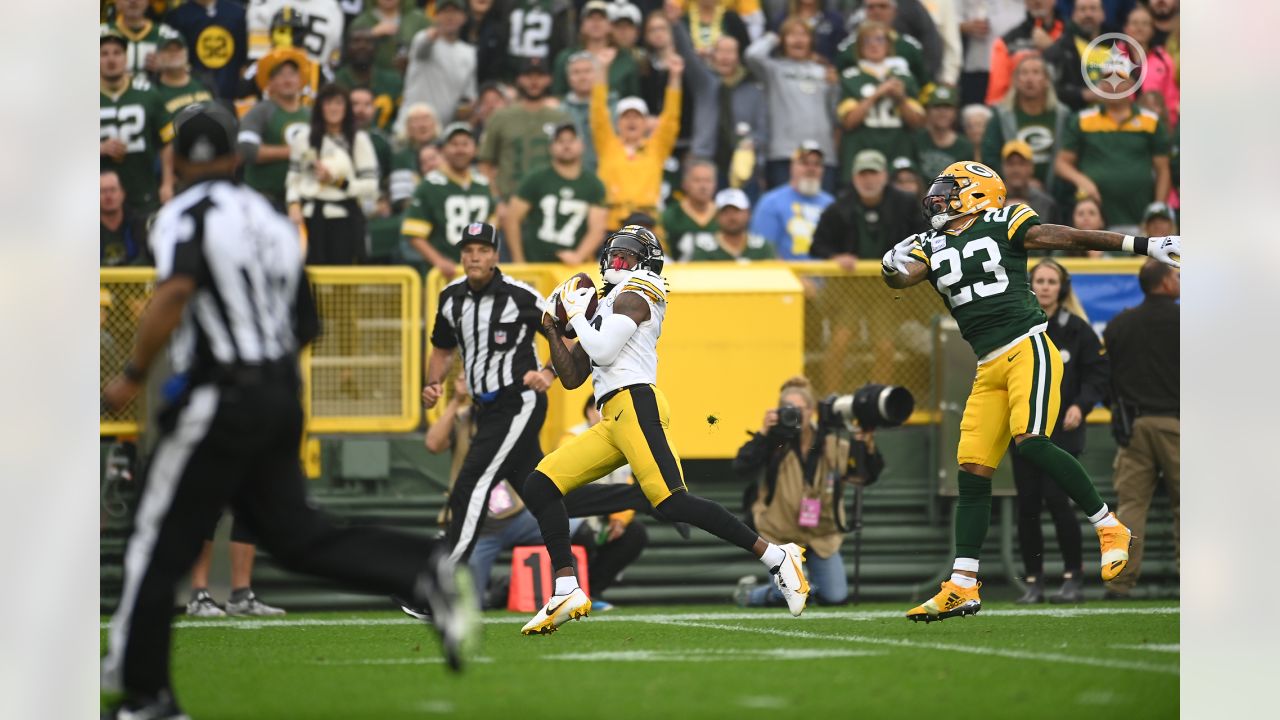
(981, 273)
(637, 362)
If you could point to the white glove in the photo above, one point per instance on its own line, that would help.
(899, 256)
(554, 297)
(577, 301)
(1167, 249)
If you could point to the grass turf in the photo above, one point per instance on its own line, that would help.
(692, 662)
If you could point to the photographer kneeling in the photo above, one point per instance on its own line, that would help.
(798, 498)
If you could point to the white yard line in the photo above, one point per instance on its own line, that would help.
(713, 655)
(1174, 648)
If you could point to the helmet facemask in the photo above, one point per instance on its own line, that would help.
(943, 202)
(621, 257)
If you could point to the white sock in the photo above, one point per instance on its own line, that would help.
(566, 585)
(963, 581)
(1103, 518)
(773, 556)
(967, 565)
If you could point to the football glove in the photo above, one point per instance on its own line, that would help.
(577, 301)
(899, 257)
(1167, 249)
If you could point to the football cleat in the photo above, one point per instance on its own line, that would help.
(790, 579)
(202, 605)
(559, 610)
(951, 601)
(448, 593)
(251, 605)
(1115, 549)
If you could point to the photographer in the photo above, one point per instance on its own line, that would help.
(797, 497)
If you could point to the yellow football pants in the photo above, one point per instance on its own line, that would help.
(1017, 392)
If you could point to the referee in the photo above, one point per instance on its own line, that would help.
(493, 320)
(232, 293)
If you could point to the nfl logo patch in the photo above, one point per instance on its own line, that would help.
(474, 228)
(500, 336)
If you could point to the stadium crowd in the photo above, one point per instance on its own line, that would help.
(737, 129)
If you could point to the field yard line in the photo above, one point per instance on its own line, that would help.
(658, 617)
(918, 645)
(1150, 648)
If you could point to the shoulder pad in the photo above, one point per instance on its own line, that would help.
(652, 287)
(435, 177)
(850, 72)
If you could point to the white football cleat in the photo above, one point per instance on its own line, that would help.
(790, 579)
(559, 610)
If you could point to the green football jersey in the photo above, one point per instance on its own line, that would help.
(709, 248)
(143, 42)
(387, 87)
(557, 218)
(935, 159)
(270, 124)
(175, 98)
(442, 208)
(981, 273)
(135, 117)
(883, 128)
(684, 233)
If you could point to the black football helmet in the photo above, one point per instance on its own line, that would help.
(635, 240)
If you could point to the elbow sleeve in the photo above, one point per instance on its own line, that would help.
(603, 345)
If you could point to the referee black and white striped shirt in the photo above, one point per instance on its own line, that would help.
(494, 327)
(252, 306)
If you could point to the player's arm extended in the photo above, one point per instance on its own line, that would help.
(916, 272)
(571, 363)
(1062, 237)
(603, 345)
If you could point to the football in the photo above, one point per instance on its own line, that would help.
(580, 280)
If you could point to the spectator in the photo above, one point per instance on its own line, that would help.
(800, 92)
(442, 66)
(787, 216)
(751, 12)
(731, 241)
(1063, 57)
(539, 29)
(865, 221)
(421, 128)
(1160, 74)
(1165, 14)
(364, 111)
(877, 109)
(316, 27)
(719, 85)
(1018, 161)
(624, 25)
(906, 177)
(446, 202)
(122, 239)
(981, 23)
(796, 497)
(131, 124)
(1159, 220)
(265, 130)
(142, 35)
(946, 18)
(1143, 343)
(557, 214)
(332, 171)
(1033, 36)
(216, 31)
(658, 44)
(921, 65)
(1032, 113)
(177, 89)
(1084, 384)
(631, 158)
(708, 20)
(392, 29)
(826, 25)
(515, 140)
(242, 600)
(577, 102)
(974, 120)
(937, 143)
(691, 220)
(593, 37)
(487, 29)
(429, 159)
(1119, 154)
(358, 70)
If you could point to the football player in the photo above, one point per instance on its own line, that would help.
(976, 257)
(618, 349)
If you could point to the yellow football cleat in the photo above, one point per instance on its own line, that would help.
(952, 601)
(1115, 549)
(558, 611)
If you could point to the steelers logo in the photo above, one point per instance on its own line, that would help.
(215, 47)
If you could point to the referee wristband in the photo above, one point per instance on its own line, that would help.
(1135, 245)
(133, 373)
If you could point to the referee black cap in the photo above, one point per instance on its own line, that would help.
(204, 131)
(479, 232)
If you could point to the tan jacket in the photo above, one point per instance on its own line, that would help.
(779, 520)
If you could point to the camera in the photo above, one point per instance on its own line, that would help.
(790, 420)
(870, 406)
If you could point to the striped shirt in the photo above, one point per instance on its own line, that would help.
(252, 305)
(494, 327)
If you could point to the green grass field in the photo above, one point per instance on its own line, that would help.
(693, 662)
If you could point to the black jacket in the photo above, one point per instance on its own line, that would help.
(1086, 374)
(1143, 343)
(848, 226)
(763, 453)
(1063, 60)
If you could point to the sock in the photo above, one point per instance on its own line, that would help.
(240, 594)
(1103, 518)
(773, 556)
(973, 516)
(963, 581)
(1065, 470)
(566, 585)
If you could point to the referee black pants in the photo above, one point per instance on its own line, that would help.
(237, 446)
(505, 447)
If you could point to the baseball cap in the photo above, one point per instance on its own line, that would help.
(902, 162)
(599, 6)
(732, 197)
(619, 11)
(107, 34)
(627, 104)
(1017, 147)
(942, 95)
(441, 4)
(869, 160)
(454, 128)
(1158, 209)
(809, 146)
(479, 232)
(535, 64)
(639, 218)
(204, 131)
(169, 38)
(555, 130)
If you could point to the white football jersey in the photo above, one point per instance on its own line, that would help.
(637, 362)
(323, 18)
